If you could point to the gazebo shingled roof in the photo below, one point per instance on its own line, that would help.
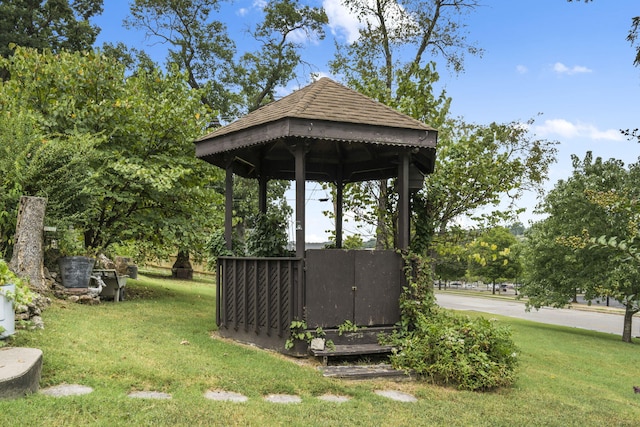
(347, 135)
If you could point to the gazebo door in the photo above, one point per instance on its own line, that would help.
(360, 286)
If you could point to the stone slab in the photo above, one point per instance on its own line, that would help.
(334, 398)
(20, 370)
(227, 396)
(149, 395)
(283, 398)
(64, 390)
(396, 395)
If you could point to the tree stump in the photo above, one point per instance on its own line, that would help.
(182, 268)
(28, 253)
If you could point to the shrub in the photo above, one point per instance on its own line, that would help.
(268, 238)
(447, 348)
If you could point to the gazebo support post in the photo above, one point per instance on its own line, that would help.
(228, 206)
(339, 209)
(300, 195)
(403, 201)
(262, 194)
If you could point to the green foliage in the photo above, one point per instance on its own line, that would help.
(22, 294)
(474, 354)
(348, 326)
(493, 255)
(561, 253)
(275, 64)
(476, 165)
(298, 331)
(599, 199)
(70, 242)
(216, 247)
(353, 241)
(49, 24)
(445, 348)
(201, 47)
(115, 158)
(268, 237)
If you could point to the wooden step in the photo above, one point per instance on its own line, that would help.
(364, 372)
(350, 350)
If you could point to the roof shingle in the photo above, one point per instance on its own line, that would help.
(324, 100)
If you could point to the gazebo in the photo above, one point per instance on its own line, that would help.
(324, 132)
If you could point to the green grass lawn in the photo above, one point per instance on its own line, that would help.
(160, 339)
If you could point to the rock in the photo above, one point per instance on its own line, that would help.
(87, 299)
(38, 323)
(104, 263)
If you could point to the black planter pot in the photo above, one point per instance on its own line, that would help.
(76, 271)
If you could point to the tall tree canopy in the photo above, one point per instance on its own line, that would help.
(113, 154)
(200, 45)
(197, 43)
(48, 24)
(477, 165)
(562, 254)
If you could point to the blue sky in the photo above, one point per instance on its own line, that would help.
(569, 62)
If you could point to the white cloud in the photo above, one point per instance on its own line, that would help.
(341, 21)
(566, 129)
(243, 11)
(522, 69)
(560, 68)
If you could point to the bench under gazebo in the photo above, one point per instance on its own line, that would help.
(324, 132)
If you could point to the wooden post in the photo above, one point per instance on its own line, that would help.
(403, 201)
(262, 194)
(300, 195)
(28, 253)
(339, 211)
(228, 206)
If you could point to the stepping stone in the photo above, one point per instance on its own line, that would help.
(66, 390)
(227, 396)
(20, 370)
(396, 395)
(149, 395)
(334, 398)
(282, 398)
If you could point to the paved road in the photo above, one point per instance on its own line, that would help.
(603, 322)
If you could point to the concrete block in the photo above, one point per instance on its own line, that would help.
(20, 370)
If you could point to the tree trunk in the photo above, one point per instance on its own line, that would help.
(28, 254)
(628, 321)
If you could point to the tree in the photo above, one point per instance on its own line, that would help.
(492, 256)
(480, 166)
(281, 34)
(451, 261)
(566, 252)
(375, 66)
(476, 165)
(116, 157)
(48, 24)
(198, 45)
